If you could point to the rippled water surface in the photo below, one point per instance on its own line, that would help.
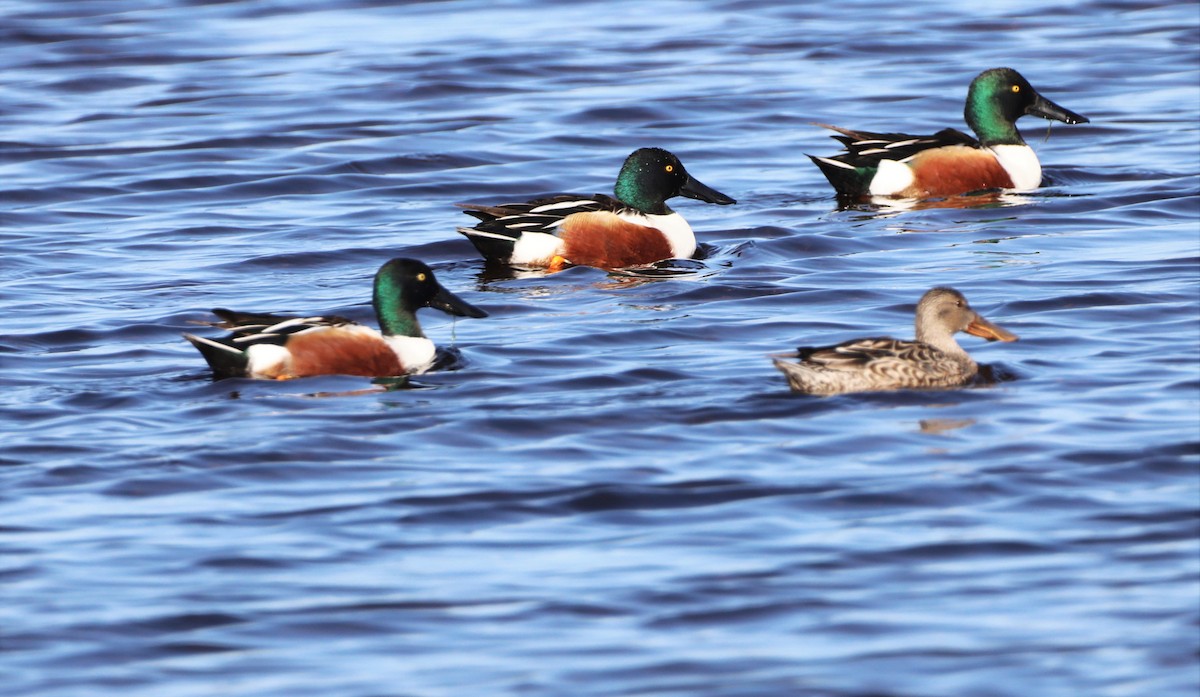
(612, 491)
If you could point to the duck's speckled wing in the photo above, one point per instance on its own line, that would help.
(887, 361)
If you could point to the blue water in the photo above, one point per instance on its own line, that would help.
(614, 492)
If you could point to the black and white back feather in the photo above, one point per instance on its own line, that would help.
(866, 149)
(249, 328)
(541, 215)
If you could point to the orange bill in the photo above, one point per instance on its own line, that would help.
(982, 328)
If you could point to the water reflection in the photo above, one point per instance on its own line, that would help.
(701, 265)
(615, 278)
(887, 207)
(940, 426)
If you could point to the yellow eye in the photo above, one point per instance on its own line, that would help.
(670, 168)
(1016, 88)
(421, 277)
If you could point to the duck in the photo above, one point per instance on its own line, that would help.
(933, 360)
(635, 227)
(949, 162)
(281, 347)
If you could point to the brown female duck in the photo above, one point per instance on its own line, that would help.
(934, 360)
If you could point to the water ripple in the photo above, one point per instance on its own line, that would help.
(605, 487)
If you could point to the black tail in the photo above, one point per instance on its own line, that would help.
(225, 361)
(491, 245)
(847, 181)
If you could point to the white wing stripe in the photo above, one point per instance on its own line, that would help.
(565, 204)
(835, 163)
(472, 232)
(215, 344)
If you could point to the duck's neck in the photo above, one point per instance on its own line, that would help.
(634, 196)
(394, 315)
(941, 340)
(987, 119)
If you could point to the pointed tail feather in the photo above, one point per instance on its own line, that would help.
(855, 135)
(225, 361)
(492, 245)
(485, 212)
(234, 318)
(797, 375)
(846, 180)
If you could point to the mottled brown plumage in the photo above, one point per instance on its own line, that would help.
(934, 359)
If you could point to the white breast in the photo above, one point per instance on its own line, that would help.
(1022, 165)
(416, 353)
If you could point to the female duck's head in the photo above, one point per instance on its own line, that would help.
(942, 312)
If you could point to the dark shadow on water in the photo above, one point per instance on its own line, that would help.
(668, 268)
(993, 374)
(447, 358)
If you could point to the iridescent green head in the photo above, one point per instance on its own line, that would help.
(650, 176)
(1000, 96)
(403, 286)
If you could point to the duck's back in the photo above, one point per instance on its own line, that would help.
(876, 363)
